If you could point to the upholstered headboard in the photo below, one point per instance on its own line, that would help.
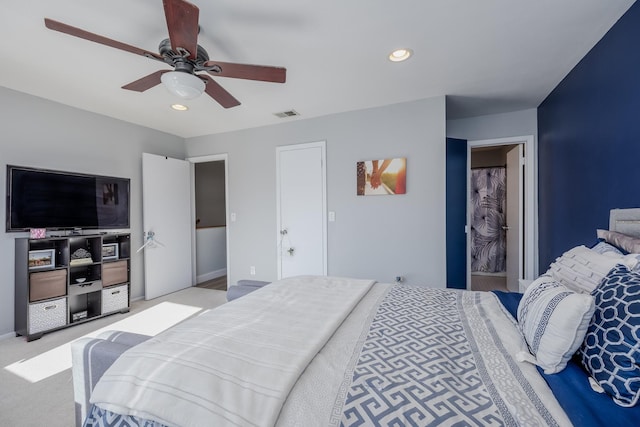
(625, 221)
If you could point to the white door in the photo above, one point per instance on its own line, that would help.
(166, 211)
(514, 226)
(301, 202)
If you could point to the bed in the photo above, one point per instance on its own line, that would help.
(332, 351)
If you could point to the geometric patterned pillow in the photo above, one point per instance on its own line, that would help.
(553, 321)
(610, 351)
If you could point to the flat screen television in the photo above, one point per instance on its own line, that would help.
(56, 200)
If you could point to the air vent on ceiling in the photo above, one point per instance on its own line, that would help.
(289, 113)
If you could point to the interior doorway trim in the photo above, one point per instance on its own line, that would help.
(202, 159)
(530, 264)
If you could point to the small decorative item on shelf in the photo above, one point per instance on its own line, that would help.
(40, 259)
(79, 316)
(80, 279)
(109, 251)
(80, 257)
(38, 233)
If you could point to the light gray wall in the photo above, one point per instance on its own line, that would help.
(40, 133)
(517, 123)
(211, 253)
(377, 237)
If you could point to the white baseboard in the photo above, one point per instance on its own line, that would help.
(7, 335)
(211, 275)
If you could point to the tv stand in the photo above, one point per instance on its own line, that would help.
(67, 280)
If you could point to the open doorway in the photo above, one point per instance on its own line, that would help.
(210, 223)
(458, 158)
(490, 203)
(517, 154)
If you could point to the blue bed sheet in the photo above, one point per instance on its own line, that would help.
(584, 407)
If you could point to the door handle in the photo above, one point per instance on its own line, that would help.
(505, 227)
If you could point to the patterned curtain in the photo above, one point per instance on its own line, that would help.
(488, 195)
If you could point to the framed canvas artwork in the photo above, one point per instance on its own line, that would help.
(381, 177)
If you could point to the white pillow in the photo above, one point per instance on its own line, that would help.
(553, 321)
(582, 269)
(604, 248)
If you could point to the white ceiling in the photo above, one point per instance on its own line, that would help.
(489, 56)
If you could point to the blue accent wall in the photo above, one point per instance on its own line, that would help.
(589, 142)
(456, 202)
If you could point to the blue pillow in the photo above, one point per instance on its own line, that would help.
(611, 348)
(510, 301)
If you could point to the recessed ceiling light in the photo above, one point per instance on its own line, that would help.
(400, 55)
(179, 107)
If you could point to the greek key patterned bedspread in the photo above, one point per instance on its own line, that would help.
(414, 356)
(443, 357)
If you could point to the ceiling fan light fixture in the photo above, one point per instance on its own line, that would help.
(183, 84)
(399, 55)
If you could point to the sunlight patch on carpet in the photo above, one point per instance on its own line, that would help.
(151, 321)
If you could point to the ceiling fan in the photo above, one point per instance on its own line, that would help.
(182, 52)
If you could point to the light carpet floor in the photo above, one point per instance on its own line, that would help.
(36, 388)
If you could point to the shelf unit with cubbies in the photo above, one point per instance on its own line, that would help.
(63, 281)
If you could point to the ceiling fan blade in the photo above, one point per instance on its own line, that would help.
(182, 23)
(147, 82)
(219, 93)
(249, 72)
(77, 32)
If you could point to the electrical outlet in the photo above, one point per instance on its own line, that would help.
(252, 270)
